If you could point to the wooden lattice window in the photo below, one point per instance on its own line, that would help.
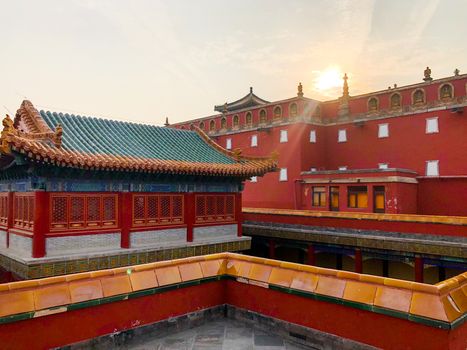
(215, 208)
(23, 211)
(75, 211)
(263, 118)
(157, 209)
(4, 208)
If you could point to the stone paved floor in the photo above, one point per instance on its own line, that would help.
(222, 334)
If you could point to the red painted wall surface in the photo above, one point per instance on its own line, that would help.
(383, 225)
(408, 145)
(363, 326)
(269, 191)
(441, 196)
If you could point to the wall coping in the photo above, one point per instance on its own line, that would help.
(425, 219)
(443, 305)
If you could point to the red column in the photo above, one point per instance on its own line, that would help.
(189, 213)
(238, 213)
(418, 269)
(272, 249)
(10, 217)
(311, 255)
(126, 217)
(41, 223)
(358, 261)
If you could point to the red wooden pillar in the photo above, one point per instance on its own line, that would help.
(238, 213)
(272, 249)
(311, 260)
(358, 261)
(418, 269)
(10, 217)
(126, 217)
(189, 206)
(41, 223)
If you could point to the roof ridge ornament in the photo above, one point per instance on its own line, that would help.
(57, 137)
(427, 74)
(344, 110)
(166, 121)
(8, 131)
(300, 90)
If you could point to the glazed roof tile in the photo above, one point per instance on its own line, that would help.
(87, 142)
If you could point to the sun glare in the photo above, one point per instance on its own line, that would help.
(328, 79)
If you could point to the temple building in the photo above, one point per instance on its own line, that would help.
(400, 150)
(100, 193)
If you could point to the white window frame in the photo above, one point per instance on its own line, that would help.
(343, 168)
(383, 130)
(312, 136)
(284, 136)
(342, 135)
(432, 125)
(283, 174)
(254, 140)
(431, 172)
(228, 143)
(383, 165)
(254, 179)
(313, 169)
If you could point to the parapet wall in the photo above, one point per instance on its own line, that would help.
(405, 223)
(354, 306)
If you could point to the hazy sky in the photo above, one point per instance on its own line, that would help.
(143, 60)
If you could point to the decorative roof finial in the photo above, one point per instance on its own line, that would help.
(345, 92)
(8, 130)
(300, 90)
(427, 74)
(251, 89)
(456, 72)
(225, 108)
(166, 121)
(57, 138)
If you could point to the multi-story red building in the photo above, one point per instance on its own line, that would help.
(399, 150)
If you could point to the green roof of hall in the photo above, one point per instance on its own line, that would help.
(103, 136)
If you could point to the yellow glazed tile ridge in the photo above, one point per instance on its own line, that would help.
(428, 305)
(450, 220)
(360, 292)
(393, 298)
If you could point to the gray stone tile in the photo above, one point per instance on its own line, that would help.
(267, 340)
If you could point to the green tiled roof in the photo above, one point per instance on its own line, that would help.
(103, 136)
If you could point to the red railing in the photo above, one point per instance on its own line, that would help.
(76, 211)
(214, 208)
(157, 209)
(23, 211)
(4, 208)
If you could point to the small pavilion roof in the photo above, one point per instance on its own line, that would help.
(69, 140)
(250, 100)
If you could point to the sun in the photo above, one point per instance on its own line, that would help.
(329, 79)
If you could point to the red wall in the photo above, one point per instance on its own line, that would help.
(443, 196)
(269, 191)
(363, 326)
(408, 145)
